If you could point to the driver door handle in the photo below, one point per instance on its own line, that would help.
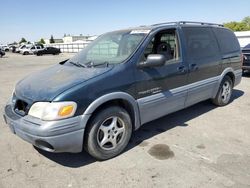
(182, 69)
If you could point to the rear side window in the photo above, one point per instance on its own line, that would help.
(227, 40)
(201, 43)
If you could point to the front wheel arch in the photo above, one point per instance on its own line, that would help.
(116, 102)
(120, 99)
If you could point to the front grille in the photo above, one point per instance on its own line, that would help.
(21, 107)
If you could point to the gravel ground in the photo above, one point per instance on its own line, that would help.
(201, 146)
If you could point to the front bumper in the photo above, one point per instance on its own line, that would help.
(54, 136)
(244, 67)
(246, 64)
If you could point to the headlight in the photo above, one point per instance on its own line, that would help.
(53, 111)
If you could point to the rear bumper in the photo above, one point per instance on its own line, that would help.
(54, 136)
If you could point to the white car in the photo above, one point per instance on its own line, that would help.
(18, 50)
(5, 48)
(30, 50)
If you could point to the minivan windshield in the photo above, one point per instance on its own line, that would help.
(110, 48)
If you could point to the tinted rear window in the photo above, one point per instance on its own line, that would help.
(227, 40)
(200, 42)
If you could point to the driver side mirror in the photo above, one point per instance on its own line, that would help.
(153, 60)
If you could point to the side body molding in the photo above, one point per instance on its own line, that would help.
(116, 96)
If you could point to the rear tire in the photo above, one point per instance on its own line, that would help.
(26, 53)
(108, 133)
(225, 92)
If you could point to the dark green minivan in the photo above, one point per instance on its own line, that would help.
(122, 80)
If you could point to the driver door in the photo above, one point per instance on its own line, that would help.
(160, 90)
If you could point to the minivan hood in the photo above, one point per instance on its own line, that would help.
(47, 84)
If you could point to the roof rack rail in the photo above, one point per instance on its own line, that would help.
(188, 22)
(200, 23)
(165, 23)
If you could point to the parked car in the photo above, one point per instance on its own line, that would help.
(48, 50)
(5, 48)
(30, 50)
(246, 58)
(22, 47)
(13, 49)
(2, 52)
(122, 80)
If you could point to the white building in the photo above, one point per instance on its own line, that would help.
(73, 39)
(79, 38)
(72, 44)
(243, 37)
(47, 41)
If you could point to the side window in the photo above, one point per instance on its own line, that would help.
(165, 43)
(33, 48)
(201, 43)
(227, 41)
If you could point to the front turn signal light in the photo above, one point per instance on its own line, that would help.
(66, 110)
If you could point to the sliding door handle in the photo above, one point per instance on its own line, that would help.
(193, 67)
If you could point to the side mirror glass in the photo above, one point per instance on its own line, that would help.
(153, 60)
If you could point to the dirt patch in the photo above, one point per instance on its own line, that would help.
(201, 146)
(161, 152)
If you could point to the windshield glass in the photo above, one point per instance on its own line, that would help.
(111, 48)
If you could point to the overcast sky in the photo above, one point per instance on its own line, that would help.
(33, 19)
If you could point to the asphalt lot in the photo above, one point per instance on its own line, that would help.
(201, 146)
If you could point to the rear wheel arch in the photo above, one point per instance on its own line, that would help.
(228, 72)
(231, 75)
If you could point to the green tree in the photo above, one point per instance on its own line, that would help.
(246, 21)
(243, 25)
(22, 40)
(41, 41)
(51, 40)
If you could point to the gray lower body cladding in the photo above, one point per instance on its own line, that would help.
(161, 104)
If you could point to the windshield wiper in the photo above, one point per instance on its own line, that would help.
(77, 64)
(102, 63)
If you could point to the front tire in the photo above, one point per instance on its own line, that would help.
(108, 133)
(225, 92)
